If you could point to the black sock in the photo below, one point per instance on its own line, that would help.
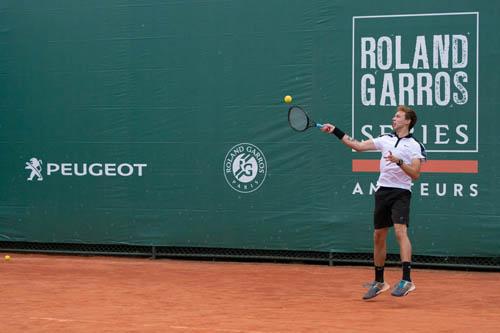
(406, 270)
(379, 273)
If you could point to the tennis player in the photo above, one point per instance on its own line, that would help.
(400, 163)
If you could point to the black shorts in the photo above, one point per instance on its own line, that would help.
(392, 205)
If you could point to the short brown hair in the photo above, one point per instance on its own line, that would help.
(409, 114)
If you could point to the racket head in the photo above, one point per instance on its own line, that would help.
(298, 119)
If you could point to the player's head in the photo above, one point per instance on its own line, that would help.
(409, 114)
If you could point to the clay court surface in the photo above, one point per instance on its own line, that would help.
(47, 293)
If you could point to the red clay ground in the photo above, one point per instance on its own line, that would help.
(101, 294)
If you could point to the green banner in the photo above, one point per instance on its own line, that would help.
(163, 122)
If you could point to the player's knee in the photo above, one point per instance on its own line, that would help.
(379, 236)
(401, 234)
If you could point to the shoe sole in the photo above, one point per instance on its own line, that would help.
(413, 287)
(385, 288)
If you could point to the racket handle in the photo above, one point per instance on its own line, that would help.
(319, 125)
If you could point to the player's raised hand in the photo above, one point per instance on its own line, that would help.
(327, 128)
(391, 158)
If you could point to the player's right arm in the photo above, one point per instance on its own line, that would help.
(351, 142)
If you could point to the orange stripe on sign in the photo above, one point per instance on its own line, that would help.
(438, 166)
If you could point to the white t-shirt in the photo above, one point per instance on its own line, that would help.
(407, 149)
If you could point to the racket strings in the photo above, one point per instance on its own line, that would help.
(298, 119)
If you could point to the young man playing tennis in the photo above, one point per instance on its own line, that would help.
(402, 156)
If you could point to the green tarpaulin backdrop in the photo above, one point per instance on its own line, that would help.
(163, 122)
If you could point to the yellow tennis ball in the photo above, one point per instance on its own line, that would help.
(288, 99)
(7, 257)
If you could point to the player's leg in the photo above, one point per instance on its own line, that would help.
(379, 251)
(382, 222)
(401, 218)
(379, 254)
(401, 231)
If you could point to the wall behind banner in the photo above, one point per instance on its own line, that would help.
(162, 122)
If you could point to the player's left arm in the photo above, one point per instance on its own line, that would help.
(412, 169)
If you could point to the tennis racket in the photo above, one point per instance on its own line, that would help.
(299, 120)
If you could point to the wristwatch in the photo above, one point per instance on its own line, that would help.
(400, 162)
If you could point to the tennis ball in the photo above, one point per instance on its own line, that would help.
(288, 99)
(7, 257)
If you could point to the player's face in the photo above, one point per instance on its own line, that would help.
(399, 121)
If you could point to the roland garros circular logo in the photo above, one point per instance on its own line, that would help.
(245, 167)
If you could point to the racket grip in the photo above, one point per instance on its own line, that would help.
(319, 125)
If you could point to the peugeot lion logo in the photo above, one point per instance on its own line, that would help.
(35, 166)
(245, 167)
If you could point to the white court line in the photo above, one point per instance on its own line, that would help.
(215, 330)
(66, 320)
(190, 328)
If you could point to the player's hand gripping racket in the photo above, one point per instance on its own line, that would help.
(299, 120)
